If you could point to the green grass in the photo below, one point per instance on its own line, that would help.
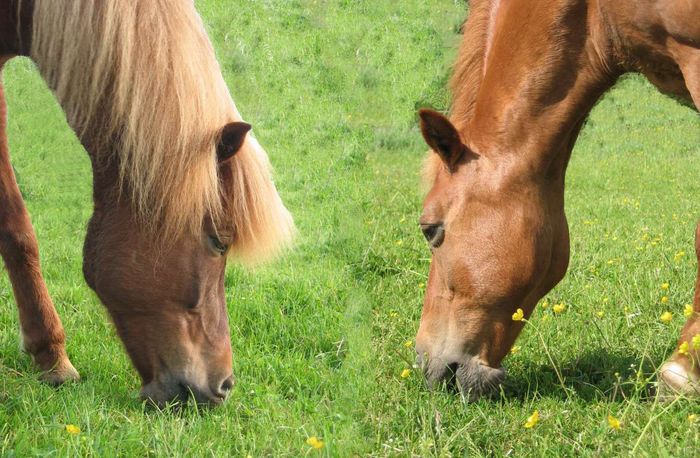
(331, 89)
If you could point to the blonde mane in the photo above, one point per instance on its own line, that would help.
(142, 77)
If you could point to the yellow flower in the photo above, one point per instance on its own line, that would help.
(72, 429)
(393, 315)
(421, 285)
(518, 315)
(315, 442)
(614, 422)
(532, 420)
(666, 317)
(683, 349)
(600, 313)
(515, 349)
(696, 341)
(664, 285)
(545, 304)
(692, 418)
(687, 310)
(664, 299)
(558, 308)
(405, 373)
(408, 344)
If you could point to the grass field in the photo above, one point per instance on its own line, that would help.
(320, 336)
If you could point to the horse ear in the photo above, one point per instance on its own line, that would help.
(232, 138)
(442, 137)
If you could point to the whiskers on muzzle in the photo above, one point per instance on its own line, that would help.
(471, 378)
(173, 392)
(476, 380)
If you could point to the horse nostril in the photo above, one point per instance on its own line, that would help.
(227, 385)
(452, 368)
(434, 233)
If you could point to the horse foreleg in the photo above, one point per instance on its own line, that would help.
(688, 59)
(680, 375)
(42, 332)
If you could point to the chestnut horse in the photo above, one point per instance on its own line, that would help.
(527, 75)
(179, 185)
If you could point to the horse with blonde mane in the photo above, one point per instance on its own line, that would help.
(527, 75)
(179, 186)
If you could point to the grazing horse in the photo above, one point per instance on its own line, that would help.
(179, 185)
(527, 75)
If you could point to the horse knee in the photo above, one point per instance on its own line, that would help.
(18, 246)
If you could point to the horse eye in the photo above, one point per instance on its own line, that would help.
(217, 245)
(434, 234)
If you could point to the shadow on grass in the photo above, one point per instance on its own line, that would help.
(20, 380)
(595, 375)
(20, 383)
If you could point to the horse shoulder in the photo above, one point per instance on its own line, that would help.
(681, 19)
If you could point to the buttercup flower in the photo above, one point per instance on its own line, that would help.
(72, 429)
(687, 310)
(558, 308)
(545, 304)
(408, 344)
(600, 313)
(664, 299)
(518, 315)
(614, 423)
(683, 349)
(692, 418)
(696, 341)
(664, 285)
(315, 442)
(666, 317)
(405, 373)
(532, 419)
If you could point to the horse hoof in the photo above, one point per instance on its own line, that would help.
(674, 382)
(60, 374)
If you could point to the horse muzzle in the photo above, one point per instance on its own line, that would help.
(173, 390)
(470, 377)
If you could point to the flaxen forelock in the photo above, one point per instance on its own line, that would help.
(147, 71)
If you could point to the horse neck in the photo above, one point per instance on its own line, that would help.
(545, 66)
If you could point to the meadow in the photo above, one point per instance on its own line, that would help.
(323, 337)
